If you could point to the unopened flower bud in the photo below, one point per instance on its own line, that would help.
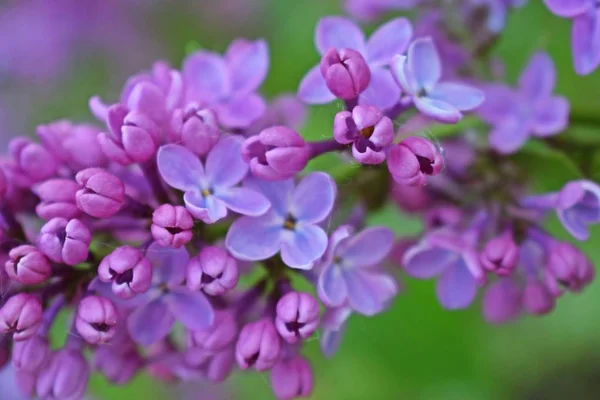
(537, 300)
(258, 345)
(57, 199)
(31, 354)
(128, 270)
(65, 241)
(118, 366)
(346, 72)
(171, 226)
(218, 336)
(101, 194)
(292, 378)
(65, 377)
(197, 128)
(568, 269)
(213, 270)
(96, 319)
(500, 255)
(414, 158)
(32, 160)
(297, 316)
(27, 265)
(20, 316)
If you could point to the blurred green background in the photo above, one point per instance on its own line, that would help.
(416, 350)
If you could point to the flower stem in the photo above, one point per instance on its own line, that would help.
(325, 146)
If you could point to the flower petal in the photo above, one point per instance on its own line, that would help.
(179, 167)
(302, 246)
(368, 248)
(240, 112)
(313, 198)
(364, 291)
(331, 286)
(401, 73)
(382, 91)
(585, 42)
(207, 77)
(500, 103)
(339, 33)
(502, 301)
(424, 63)
(255, 238)
(190, 308)
(169, 264)
(423, 261)
(333, 326)
(462, 97)
(438, 110)
(313, 90)
(279, 193)
(244, 201)
(207, 209)
(567, 8)
(150, 323)
(388, 40)
(456, 287)
(510, 136)
(248, 64)
(551, 116)
(224, 164)
(539, 77)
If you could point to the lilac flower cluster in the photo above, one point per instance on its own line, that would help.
(141, 228)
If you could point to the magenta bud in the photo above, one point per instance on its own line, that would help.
(133, 136)
(32, 160)
(414, 158)
(258, 345)
(101, 194)
(297, 316)
(369, 131)
(292, 378)
(20, 316)
(65, 241)
(118, 366)
(568, 269)
(276, 153)
(218, 336)
(27, 265)
(96, 319)
(65, 377)
(346, 72)
(213, 270)
(171, 226)
(537, 299)
(500, 255)
(196, 128)
(32, 354)
(57, 199)
(128, 270)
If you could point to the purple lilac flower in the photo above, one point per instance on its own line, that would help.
(496, 10)
(66, 376)
(292, 378)
(340, 33)
(196, 128)
(213, 270)
(285, 110)
(65, 241)
(290, 226)
(372, 9)
(210, 192)
(297, 316)
(349, 272)
(568, 269)
(228, 83)
(101, 194)
(168, 300)
(346, 73)
(31, 355)
(32, 162)
(413, 159)
(128, 271)
(419, 73)
(172, 226)
(221, 334)
(57, 199)
(500, 254)
(20, 316)
(258, 345)
(333, 326)
(27, 265)
(529, 110)
(96, 319)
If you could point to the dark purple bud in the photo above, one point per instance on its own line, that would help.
(128, 270)
(414, 158)
(213, 270)
(96, 319)
(297, 316)
(101, 194)
(346, 72)
(500, 255)
(65, 241)
(172, 226)
(196, 128)
(118, 366)
(218, 336)
(568, 269)
(537, 300)
(292, 378)
(276, 153)
(32, 160)
(57, 199)
(27, 265)
(258, 345)
(133, 136)
(65, 377)
(32, 354)
(20, 316)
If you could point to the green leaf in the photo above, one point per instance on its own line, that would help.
(192, 46)
(582, 134)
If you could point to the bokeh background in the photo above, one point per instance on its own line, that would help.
(54, 55)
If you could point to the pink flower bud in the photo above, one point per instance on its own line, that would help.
(411, 160)
(65, 241)
(568, 269)
(20, 316)
(196, 128)
(218, 336)
(57, 199)
(297, 316)
(32, 354)
(213, 270)
(500, 255)
(101, 194)
(171, 226)
(65, 377)
(96, 319)
(346, 72)
(34, 163)
(27, 265)
(292, 378)
(537, 300)
(258, 345)
(128, 270)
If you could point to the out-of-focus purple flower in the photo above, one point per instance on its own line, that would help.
(196, 128)
(33, 163)
(101, 194)
(128, 270)
(340, 33)
(132, 136)
(210, 193)
(276, 153)
(372, 9)
(419, 73)
(346, 73)
(258, 345)
(290, 226)
(297, 316)
(27, 265)
(286, 110)
(73, 145)
(20, 316)
(369, 131)
(57, 199)
(65, 241)
(450, 255)
(172, 226)
(413, 159)
(568, 269)
(213, 270)
(502, 301)
(292, 378)
(118, 366)
(3, 185)
(530, 110)
(500, 255)
(444, 215)
(65, 377)
(333, 325)
(222, 332)
(169, 300)
(410, 198)
(496, 12)
(96, 319)
(32, 354)
(349, 274)
(228, 83)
